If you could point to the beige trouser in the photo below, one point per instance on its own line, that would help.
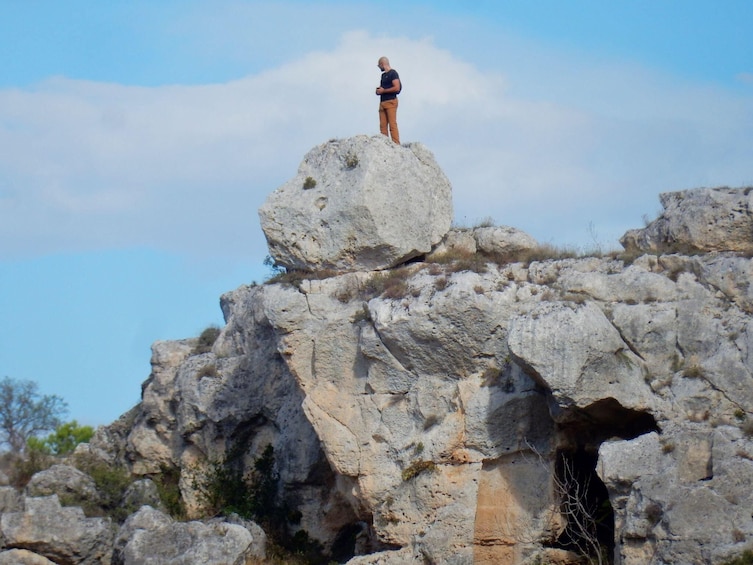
(388, 117)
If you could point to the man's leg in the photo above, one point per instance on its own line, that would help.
(391, 111)
(382, 118)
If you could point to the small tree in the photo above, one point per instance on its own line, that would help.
(63, 440)
(24, 413)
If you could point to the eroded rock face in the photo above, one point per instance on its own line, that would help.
(360, 203)
(442, 401)
(702, 219)
(437, 413)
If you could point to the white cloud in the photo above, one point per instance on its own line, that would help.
(85, 165)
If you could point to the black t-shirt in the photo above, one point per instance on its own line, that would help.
(387, 78)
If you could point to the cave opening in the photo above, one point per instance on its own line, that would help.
(583, 496)
(585, 506)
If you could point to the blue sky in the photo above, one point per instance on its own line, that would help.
(139, 138)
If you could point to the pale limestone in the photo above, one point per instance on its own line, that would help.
(360, 203)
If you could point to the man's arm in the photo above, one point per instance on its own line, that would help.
(394, 88)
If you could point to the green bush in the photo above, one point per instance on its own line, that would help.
(168, 488)
(225, 489)
(63, 440)
(206, 340)
(111, 482)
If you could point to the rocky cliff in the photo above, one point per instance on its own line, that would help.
(480, 399)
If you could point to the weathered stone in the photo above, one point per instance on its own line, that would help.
(65, 481)
(11, 500)
(178, 543)
(146, 518)
(503, 241)
(23, 557)
(360, 203)
(428, 413)
(61, 534)
(143, 492)
(583, 367)
(703, 219)
(457, 242)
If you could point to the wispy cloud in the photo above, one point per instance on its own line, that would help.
(85, 165)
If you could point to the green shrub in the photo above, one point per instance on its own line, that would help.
(206, 340)
(63, 440)
(111, 481)
(168, 488)
(351, 161)
(309, 183)
(227, 490)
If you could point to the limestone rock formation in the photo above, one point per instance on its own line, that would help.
(470, 406)
(451, 407)
(361, 203)
(447, 402)
(703, 219)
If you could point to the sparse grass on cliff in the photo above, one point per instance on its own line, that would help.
(206, 340)
(418, 467)
(457, 260)
(390, 284)
(745, 558)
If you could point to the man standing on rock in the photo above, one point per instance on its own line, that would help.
(387, 91)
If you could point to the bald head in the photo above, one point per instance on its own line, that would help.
(383, 63)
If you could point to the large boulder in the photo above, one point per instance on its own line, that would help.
(361, 203)
(702, 219)
(153, 538)
(61, 534)
(65, 481)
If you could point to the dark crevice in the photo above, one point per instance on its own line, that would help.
(584, 499)
(605, 419)
(585, 505)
